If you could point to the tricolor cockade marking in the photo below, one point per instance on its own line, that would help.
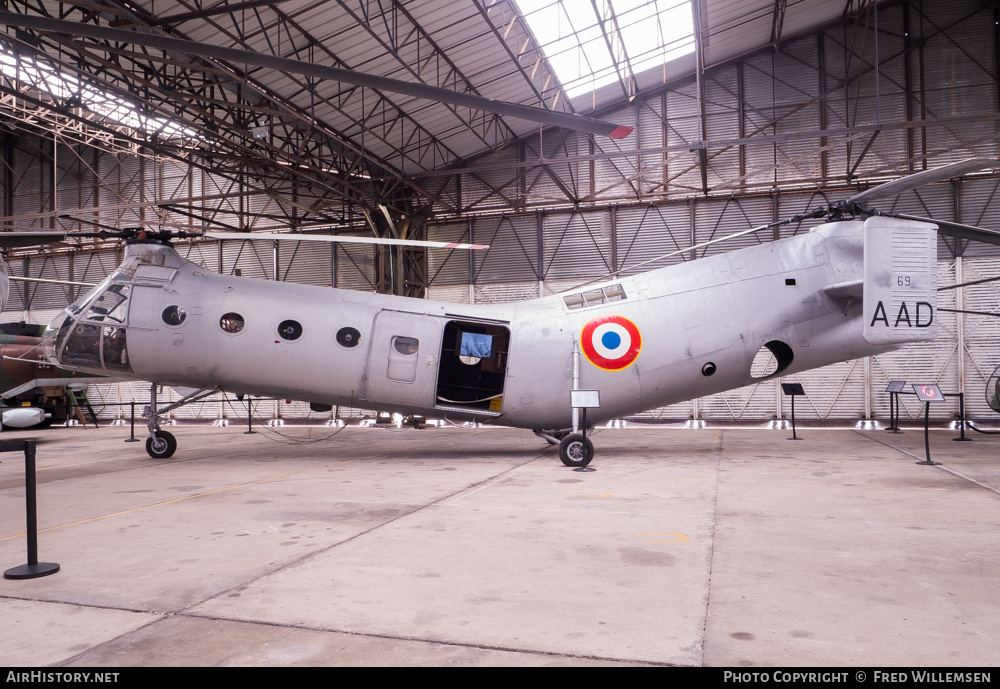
(611, 342)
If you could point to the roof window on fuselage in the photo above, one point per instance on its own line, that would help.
(594, 297)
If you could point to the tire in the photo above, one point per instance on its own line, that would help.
(164, 447)
(576, 451)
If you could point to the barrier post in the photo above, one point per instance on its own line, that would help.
(33, 569)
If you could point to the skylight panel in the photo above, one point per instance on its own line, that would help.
(61, 86)
(643, 34)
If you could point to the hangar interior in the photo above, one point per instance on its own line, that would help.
(726, 548)
(744, 113)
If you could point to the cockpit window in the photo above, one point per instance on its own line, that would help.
(91, 333)
(83, 345)
(113, 349)
(111, 306)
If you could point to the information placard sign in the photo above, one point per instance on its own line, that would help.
(585, 399)
(928, 392)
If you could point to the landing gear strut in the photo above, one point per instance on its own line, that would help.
(161, 444)
(576, 449)
(551, 437)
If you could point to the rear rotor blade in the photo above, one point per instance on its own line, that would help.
(898, 186)
(954, 229)
(347, 76)
(817, 213)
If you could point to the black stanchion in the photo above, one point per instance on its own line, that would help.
(249, 429)
(133, 439)
(927, 394)
(33, 569)
(961, 416)
(894, 388)
(793, 390)
(927, 440)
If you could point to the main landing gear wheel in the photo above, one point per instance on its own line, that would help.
(161, 445)
(575, 450)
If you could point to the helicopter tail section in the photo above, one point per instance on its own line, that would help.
(900, 281)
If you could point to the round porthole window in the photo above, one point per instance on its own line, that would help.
(290, 330)
(348, 337)
(174, 315)
(232, 323)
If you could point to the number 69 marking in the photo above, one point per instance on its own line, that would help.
(903, 280)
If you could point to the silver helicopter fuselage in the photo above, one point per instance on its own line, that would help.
(644, 341)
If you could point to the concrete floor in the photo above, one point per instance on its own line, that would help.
(716, 547)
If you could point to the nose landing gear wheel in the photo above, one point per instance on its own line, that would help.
(575, 450)
(161, 445)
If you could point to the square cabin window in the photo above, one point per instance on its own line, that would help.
(403, 359)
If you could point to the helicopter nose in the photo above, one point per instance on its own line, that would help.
(4, 284)
(54, 335)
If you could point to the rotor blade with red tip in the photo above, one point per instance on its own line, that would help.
(344, 239)
(347, 76)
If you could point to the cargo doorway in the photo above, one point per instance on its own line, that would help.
(473, 367)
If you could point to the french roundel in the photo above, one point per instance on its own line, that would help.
(611, 342)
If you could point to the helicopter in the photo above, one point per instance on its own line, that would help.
(862, 283)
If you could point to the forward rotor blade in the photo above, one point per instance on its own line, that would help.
(11, 240)
(347, 76)
(898, 186)
(47, 281)
(344, 239)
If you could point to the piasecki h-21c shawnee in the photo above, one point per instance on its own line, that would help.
(861, 284)
(848, 288)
